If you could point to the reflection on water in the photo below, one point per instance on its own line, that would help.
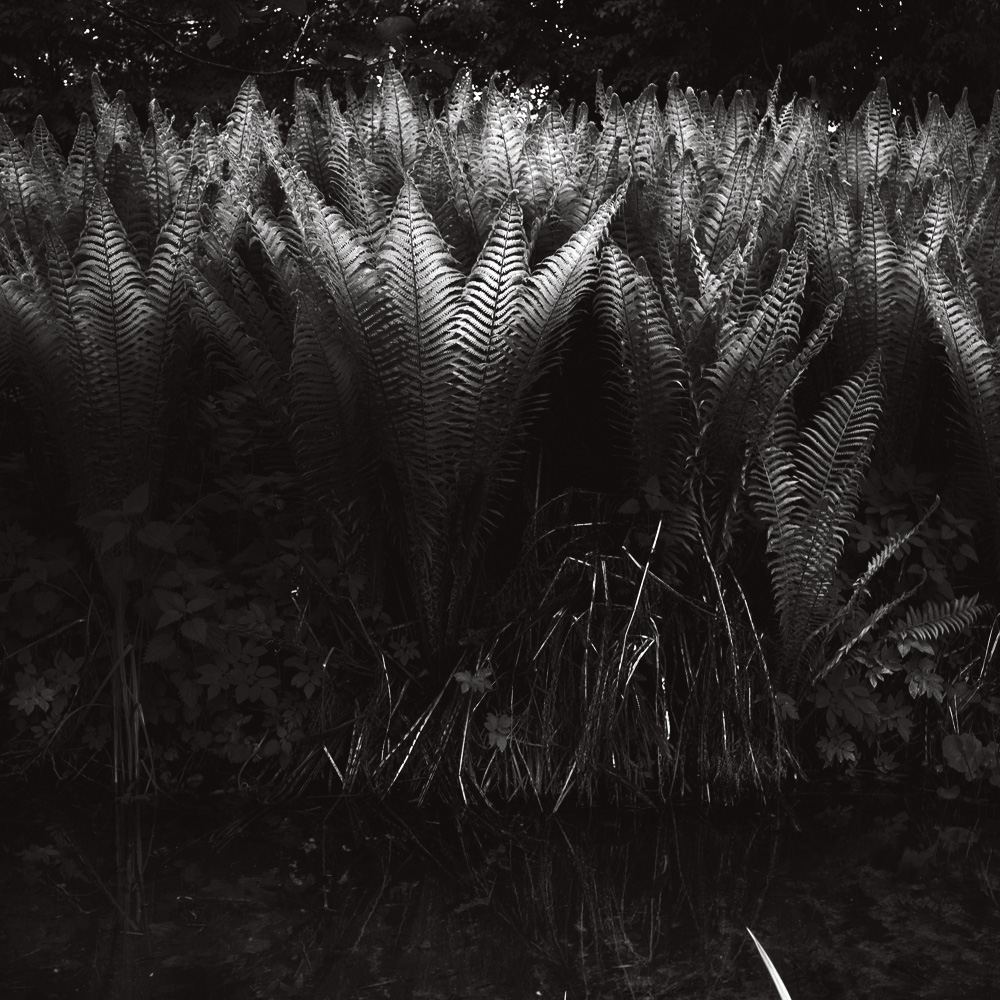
(878, 895)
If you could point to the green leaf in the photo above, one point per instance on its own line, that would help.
(113, 534)
(196, 629)
(137, 501)
(159, 535)
(159, 648)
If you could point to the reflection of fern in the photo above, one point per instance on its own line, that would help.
(806, 488)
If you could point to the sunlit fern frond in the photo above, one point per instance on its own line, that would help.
(784, 185)
(920, 151)
(113, 359)
(363, 206)
(982, 250)
(30, 198)
(551, 294)
(549, 152)
(79, 181)
(445, 190)
(488, 299)
(166, 288)
(873, 299)
(731, 126)
(645, 129)
(164, 146)
(401, 124)
(834, 446)
(241, 136)
(676, 196)
(975, 375)
(96, 337)
(856, 166)
(125, 182)
(880, 132)
(755, 363)
(458, 99)
(448, 367)
(943, 214)
(602, 95)
(612, 151)
(657, 400)
(958, 154)
(423, 284)
(723, 215)
(684, 119)
(116, 121)
(202, 147)
(485, 459)
(309, 142)
(366, 113)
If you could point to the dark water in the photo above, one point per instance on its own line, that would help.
(879, 894)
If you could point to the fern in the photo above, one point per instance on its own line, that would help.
(805, 487)
(975, 375)
(446, 365)
(936, 620)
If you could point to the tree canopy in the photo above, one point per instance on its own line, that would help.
(195, 53)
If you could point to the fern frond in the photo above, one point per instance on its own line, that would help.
(400, 123)
(333, 438)
(937, 620)
(116, 121)
(975, 374)
(412, 349)
(722, 213)
(658, 394)
(880, 132)
(234, 326)
(46, 157)
(78, 182)
(737, 402)
(854, 158)
(240, 138)
(679, 120)
(808, 496)
(29, 199)
(125, 182)
(835, 444)
(645, 129)
(548, 299)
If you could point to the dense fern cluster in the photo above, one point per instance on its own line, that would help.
(393, 282)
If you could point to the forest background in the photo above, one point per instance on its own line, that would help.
(196, 53)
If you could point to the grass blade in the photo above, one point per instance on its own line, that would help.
(778, 984)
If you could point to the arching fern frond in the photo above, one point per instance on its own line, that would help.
(975, 374)
(401, 123)
(657, 398)
(937, 620)
(805, 488)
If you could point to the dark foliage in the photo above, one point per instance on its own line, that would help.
(195, 53)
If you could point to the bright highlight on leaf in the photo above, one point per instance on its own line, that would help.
(769, 965)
